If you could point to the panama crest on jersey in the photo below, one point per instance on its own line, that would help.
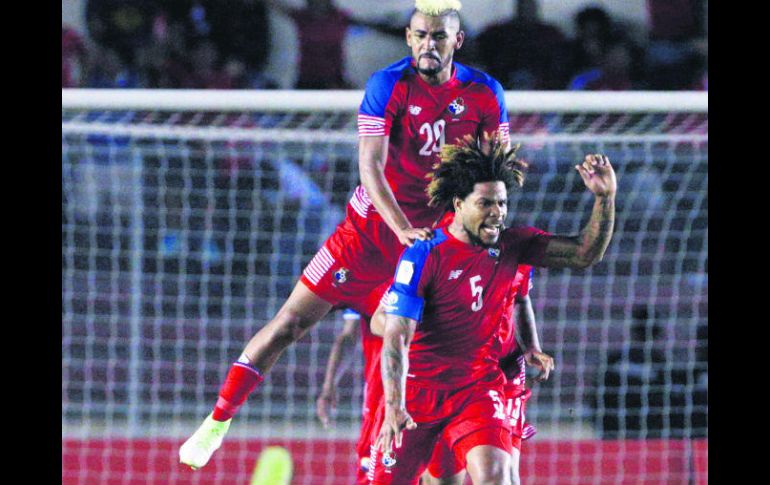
(341, 275)
(456, 107)
(389, 459)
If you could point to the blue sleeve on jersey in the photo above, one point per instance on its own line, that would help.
(403, 304)
(497, 88)
(465, 73)
(379, 88)
(403, 299)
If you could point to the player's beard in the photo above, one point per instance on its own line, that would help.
(476, 240)
(432, 71)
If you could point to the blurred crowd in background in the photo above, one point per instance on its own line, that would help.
(217, 44)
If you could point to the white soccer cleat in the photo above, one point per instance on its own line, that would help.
(197, 450)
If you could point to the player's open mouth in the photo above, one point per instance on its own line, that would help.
(430, 57)
(491, 231)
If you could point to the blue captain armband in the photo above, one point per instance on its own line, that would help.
(404, 305)
(402, 298)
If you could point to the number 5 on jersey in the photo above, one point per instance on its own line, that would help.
(476, 291)
(435, 137)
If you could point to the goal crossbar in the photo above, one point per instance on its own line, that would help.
(338, 100)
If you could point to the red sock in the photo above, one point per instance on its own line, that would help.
(240, 381)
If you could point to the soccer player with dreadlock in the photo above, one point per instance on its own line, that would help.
(520, 348)
(441, 349)
(409, 110)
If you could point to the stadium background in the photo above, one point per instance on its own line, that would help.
(176, 246)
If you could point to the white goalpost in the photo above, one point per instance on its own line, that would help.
(187, 217)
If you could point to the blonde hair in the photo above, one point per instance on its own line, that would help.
(435, 8)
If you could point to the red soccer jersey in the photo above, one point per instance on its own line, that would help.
(520, 287)
(418, 119)
(457, 292)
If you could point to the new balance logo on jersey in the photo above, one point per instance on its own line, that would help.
(415, 110)
(453, 275)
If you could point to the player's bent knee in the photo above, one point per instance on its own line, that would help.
(496, 474)
(488, 465)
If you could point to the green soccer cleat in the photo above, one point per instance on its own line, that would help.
(197, 450)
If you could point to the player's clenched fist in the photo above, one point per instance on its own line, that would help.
(542, 361)
(392, 430)
(598, 175)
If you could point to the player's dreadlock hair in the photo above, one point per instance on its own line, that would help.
(469, 162)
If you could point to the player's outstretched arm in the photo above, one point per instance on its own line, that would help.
(340, 357)
(372, 155)
(526, 336)
(394, 366)
(589, 246)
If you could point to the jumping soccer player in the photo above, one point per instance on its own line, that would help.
(444, 310)
(409, 110)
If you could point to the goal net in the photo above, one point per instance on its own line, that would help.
(187, 217)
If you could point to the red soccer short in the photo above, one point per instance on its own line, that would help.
(516, 405)
(360, 256)
(445, 463)
(466, 418)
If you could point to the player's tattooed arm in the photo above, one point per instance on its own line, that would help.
(394, 363)
(372, 155)
(395, 357)
(588, 247)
